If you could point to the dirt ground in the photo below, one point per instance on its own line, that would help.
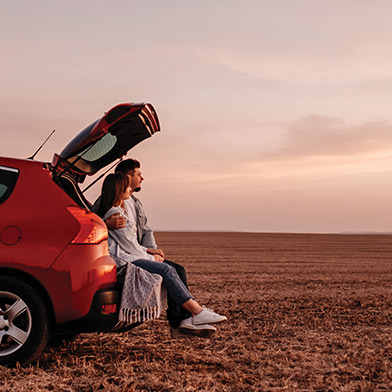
(305, 313)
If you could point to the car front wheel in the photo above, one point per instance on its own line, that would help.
(24, 322)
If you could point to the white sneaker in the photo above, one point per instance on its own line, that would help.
(187, 323)
(202, 330)
(207, 316)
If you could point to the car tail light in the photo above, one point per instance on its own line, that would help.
(109, 308)
(92, 228)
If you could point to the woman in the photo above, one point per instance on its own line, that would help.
(124, 247)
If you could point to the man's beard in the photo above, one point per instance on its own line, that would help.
(138, 189)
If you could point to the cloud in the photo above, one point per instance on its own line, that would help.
(375, 87)
(314, 136)
(331, 57)
(313, 150)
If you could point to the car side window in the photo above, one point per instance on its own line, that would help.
(8, 178)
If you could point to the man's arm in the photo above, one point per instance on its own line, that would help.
(145, 234)
(115, 221)
(147, 237)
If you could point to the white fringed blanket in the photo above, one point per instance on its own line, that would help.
(143, 297)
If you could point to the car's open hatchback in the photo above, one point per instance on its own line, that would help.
(107, 139)
(101, 143)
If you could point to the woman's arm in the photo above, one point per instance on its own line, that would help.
(126, 238)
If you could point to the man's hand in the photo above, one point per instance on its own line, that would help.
(115, 221)
(158, 258)
(154, 252)
(157, 253)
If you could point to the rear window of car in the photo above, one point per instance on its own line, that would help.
(98, 149)
(8, 178)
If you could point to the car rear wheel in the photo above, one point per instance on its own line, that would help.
(24, 322)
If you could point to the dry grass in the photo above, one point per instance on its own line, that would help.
(306, 313)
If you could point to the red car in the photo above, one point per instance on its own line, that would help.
(56, 275)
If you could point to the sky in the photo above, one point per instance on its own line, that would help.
(275, 115)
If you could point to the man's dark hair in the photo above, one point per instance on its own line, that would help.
(127, 165)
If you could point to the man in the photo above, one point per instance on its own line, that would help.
(176, 315)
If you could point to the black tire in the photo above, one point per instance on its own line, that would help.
(24, 322)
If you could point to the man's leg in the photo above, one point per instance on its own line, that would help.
(176, 313)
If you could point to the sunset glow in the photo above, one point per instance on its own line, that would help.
(275, 116)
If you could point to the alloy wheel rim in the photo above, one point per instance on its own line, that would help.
(15, 323)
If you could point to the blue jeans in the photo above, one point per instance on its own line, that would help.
(175, 282)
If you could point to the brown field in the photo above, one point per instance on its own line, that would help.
(306, 313)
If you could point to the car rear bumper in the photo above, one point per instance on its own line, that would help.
(102, 316)
(76, 276)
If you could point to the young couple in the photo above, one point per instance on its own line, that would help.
(133, 242)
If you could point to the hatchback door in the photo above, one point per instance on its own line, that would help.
(107, 139)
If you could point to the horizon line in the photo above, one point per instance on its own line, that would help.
(351, 232)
